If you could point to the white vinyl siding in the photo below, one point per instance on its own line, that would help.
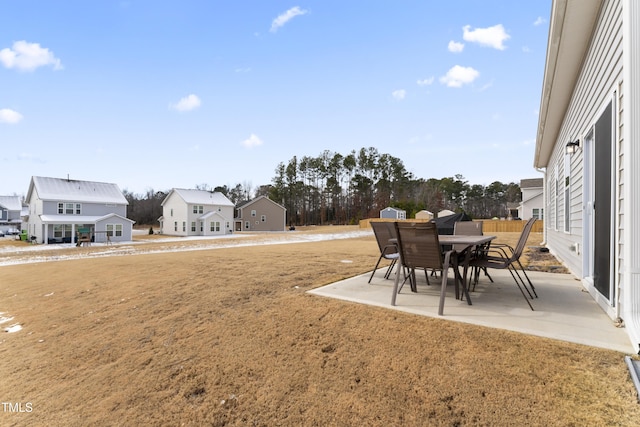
(595, 87)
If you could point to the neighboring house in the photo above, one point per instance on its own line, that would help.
(424, 214)
(587, 146)
(10, 213)
(393, 213)
(260, 214)
(196, 213)
(59, 208)
(532, 204)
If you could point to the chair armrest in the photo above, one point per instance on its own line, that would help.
(501, 248)
(389, 249)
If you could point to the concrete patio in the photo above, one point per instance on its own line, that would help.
(563, 310)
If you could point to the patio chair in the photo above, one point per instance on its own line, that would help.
(503, 256)
(384, 231)
(471, 228)
(419, 247)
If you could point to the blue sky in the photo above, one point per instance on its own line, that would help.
(162, 94)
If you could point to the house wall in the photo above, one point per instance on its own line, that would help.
(89, 209)
(174, 211)
(275, 218)
(127, 230)
(599, 82)
(35, 224)
(225, 211)
(532, 200)
(225, 223)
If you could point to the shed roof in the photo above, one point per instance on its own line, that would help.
(74, 190)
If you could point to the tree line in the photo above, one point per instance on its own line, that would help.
(335, 188)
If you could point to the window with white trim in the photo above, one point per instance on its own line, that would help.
(538, 213)
(263, 218)
(198, 209)
(215, 226)
(62, 230)
(114, 230)
(193, 226)
(69, 208)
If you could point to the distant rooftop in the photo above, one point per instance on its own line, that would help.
(77, 191)
(531, 183)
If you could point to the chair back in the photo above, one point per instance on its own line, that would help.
(418, 245)
(383, 232)
(522, 241)
(467, 228)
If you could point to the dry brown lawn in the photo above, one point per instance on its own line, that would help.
(229, 337)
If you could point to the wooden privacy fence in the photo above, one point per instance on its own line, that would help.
(488, 226)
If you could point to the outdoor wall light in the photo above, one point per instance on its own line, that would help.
(572, 146)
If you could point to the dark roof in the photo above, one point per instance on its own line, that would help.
(445, 224)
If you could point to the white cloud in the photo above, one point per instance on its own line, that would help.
(425, 82)
(458, 76)
(188, 103)
(539, 21)
(525, 49)
(26, 56)
(399, 94)
(9, 116)
(455, 47)
(252, 141)
(491, 36)
(285, 17)
(243, 70)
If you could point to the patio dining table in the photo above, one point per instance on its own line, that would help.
(470, 242)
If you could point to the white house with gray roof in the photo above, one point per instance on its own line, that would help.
(532, 204)
(10, 213)
(196, 213)
(60, 208)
